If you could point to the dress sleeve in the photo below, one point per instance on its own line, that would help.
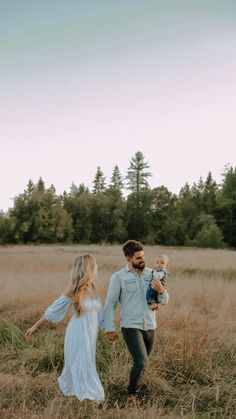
(57, 310)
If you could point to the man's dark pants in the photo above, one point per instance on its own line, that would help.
(140, 344)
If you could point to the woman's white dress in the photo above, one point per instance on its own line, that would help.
(79, 376)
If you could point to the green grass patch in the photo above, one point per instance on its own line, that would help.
(188, 375)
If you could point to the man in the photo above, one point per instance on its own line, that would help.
(128, 287)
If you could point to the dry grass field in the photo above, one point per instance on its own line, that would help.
(192, 372)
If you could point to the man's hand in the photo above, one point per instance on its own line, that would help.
(111, 336)
(157, 285)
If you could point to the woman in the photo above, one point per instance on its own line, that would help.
(79, 376)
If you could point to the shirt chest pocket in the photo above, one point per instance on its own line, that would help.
(147, 283)
(130, 286)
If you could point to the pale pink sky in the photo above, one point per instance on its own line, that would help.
(172, 97)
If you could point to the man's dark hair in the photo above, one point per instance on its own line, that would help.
(131, 247)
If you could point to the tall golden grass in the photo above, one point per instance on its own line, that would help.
(191, 372)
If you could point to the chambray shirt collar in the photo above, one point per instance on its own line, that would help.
(127, 268)
(145, 271)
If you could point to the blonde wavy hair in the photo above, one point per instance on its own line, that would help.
(84, 272)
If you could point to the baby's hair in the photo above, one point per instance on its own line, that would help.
(162, 257)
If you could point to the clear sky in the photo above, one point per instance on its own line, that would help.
(88, 83)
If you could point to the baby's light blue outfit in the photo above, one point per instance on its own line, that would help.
(79, 376)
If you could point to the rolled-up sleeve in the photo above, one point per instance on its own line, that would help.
(113, 297)
(163, 298)
(58, 309)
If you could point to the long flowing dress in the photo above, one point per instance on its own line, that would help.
(79, 376)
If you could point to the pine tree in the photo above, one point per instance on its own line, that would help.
(99, 183)
(30, 188)
(210, 195)
(136, 176)
(40, 185)
(77, 190)
(116, 179)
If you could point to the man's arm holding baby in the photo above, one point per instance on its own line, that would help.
(163, 296)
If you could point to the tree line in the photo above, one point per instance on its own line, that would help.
(202, 215)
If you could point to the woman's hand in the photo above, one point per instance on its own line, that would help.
(30, 332)
(35, 327)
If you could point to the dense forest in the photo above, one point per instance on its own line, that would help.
(202, 215)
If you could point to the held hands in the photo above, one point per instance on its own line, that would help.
(112, 336)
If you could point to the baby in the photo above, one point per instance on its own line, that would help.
(160, 273)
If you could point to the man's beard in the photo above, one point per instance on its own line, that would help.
(140, 266)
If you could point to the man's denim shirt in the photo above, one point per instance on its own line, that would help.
(128, 289)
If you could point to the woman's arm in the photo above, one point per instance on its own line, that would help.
(35, 327)
(54, 313)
